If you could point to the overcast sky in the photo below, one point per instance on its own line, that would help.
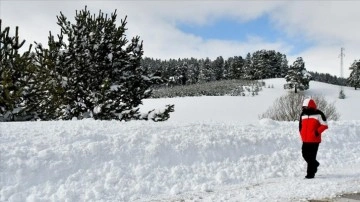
(314, 30)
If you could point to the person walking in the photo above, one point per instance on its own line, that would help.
(312, 124)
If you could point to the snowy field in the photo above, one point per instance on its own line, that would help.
(211, 149)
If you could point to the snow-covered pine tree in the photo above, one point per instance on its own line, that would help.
(354, 78)
(283, 65)
(218, 67)
(270, 63)
(206, 72)
(248, 67)
(226, 69)
(260, 65)
(181, 73)
(236, 68)
(276, 64)
(14, 76)
(100, 70)
(193, 71)
(152, 66)
(170, 71)
(265, 64)
(297, 77)
(50, 84)
(165, 72)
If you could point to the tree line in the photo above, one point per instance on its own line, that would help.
(261, 64)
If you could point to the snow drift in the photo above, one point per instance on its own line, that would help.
(111, 161)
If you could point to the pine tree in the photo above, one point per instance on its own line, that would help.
(14, 76)
(297, 76)
(206, 72)
(226, 69)
(181, 73)
(354, 78)
(248, 67)
(166, 69)
(98, 70)
(49, 85)
(276, 64)
(218, 67)
(260, 65)
(236, 68)
(193, 71)
(283, 65)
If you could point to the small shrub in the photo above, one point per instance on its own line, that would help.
(341, 94)
(288, 108)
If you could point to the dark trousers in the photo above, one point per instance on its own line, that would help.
(309, 152)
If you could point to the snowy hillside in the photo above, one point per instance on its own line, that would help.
(211, 149)
(229, 108)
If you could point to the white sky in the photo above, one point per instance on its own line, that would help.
(327, 25)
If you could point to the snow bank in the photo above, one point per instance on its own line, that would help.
(143, 161)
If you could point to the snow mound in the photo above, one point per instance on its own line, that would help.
(143, 161)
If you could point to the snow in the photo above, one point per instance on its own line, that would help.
(211, 149)
(238, 108)
(110, 56)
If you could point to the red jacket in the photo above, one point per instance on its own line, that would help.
(312, 122)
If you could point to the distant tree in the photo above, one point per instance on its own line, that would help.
(218, 67)
(282, 64)
(266, 64)
(154, 69)
(248, 67)
(171, 70)
(206, 72)
(165, 71)
(97, 69)
(182, 73)
(14, 77)
(193, 71)
(270, 64)
(297, 76)
(152, 66)
(259, 65)
(354, 78)
(236, 70)
(226, 72)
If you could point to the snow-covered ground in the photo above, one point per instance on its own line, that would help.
(211, 149)
(227, 108)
